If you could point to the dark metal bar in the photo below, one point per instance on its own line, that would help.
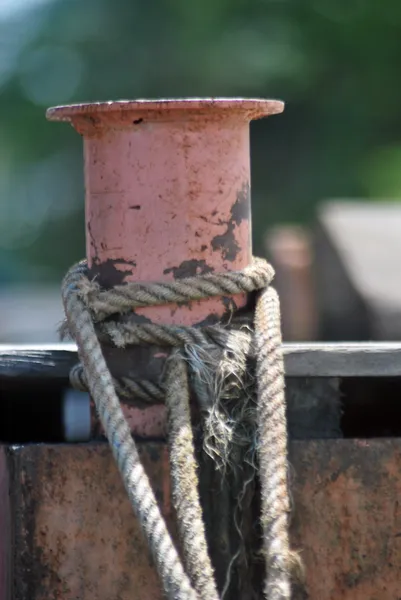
(301, 360)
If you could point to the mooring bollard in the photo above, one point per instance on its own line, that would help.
(167, 196)
(67, 525)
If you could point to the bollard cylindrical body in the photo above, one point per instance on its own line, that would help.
(167, 192)
(167, 196)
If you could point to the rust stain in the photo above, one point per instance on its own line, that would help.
(5, 522)
(346, 517)
(75, 533)
(112, 271)
(240, 211)
(188, 268)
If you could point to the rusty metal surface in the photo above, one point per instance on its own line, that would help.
(253, 107)
(167, 195)
(168, 192)
(5, 538)
(74, 535)
(347, 517)
(74, 532)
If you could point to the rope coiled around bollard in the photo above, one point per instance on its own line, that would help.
(87, 306)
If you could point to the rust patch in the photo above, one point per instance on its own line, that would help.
(241, 208)
(25, 498)
(211, 319)
(92, 238)
(135, 318)
(75, 533)
(347, 516)
(189, 268)
(111, 272)
(227, 243)
(240, 211)
(5, 525)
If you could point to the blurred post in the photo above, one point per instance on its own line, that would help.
(288, 248)
(357, 248)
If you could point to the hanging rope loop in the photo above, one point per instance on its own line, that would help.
(96, 315)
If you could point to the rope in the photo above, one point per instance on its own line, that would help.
(124, 298)
(175, 582)
(272, 444)
(185, 480)
(147, 391)
(87, 306)
(123, 334)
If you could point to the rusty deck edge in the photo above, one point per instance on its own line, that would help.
(301, 360)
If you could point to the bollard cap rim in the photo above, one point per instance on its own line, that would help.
(254, 108)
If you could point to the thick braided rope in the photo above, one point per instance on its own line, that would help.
(125, 387)
(272, 445)
(123, 334)
(126, 333)
(272, 425)
(175, 581)
(185, 480)
(124, 298)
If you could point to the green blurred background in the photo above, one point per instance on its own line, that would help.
(336, 63)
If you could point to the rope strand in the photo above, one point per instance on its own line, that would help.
(175, 582)
(185, 480)
(272, 445)
(124, 298)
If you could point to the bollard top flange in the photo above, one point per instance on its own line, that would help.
(252, 108)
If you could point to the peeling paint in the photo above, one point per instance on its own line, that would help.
(240, 211)
(189, 268)
(227, 244)
(112, 272)
(241, 207)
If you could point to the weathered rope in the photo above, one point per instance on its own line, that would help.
(175, 581)
(122, 334)
(272, 444)
(124, 298)
(185, 481)
(145, 390)
(87, 306)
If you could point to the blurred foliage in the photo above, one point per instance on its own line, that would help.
(335, 63)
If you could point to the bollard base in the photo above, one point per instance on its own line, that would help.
(68, 530)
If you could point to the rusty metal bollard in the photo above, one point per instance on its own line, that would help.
(167, 196)
(67, 529)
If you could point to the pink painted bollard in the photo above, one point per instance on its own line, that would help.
(167, 196)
